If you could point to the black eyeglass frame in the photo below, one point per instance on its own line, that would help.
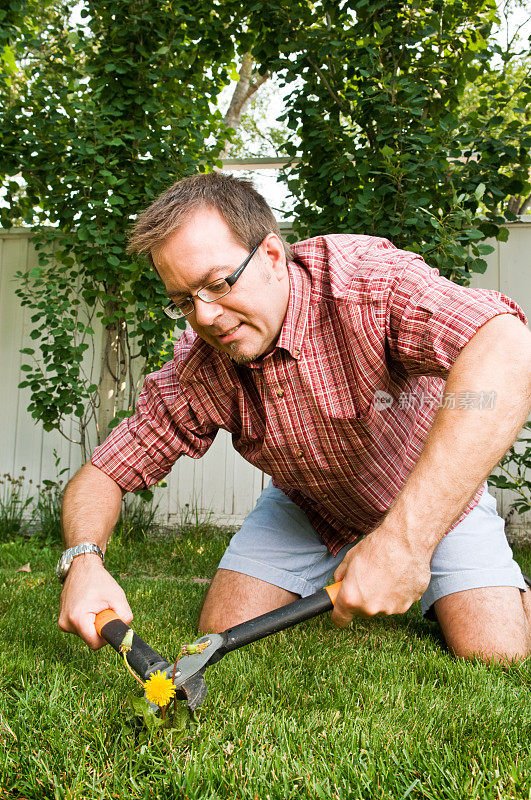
(230, 280)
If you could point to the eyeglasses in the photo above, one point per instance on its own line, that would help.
(209, 293)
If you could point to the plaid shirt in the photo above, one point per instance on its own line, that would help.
(338, 413)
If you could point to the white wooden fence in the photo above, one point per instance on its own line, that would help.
(222, 483)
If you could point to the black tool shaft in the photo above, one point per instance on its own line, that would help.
(274, 621)
(141, 657)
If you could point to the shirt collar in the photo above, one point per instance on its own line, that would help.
(294, 326)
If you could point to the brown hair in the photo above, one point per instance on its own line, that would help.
(245, 211)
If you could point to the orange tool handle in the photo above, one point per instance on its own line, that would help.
(108, 615)
(103, 618)
(333, 591)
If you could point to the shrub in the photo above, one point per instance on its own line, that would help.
(516, 472)
(13, 504)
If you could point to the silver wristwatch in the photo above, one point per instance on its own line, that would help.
(68, 556)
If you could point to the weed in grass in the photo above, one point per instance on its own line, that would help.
(14, 502)
(136, 519)
(47, 510)
(192, 516)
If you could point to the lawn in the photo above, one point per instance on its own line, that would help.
(377, 711)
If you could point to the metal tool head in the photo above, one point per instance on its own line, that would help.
(188, 680)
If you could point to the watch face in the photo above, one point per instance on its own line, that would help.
(62, 567)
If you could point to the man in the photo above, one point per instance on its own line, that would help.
(377, 394)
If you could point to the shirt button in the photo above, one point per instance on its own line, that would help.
(324, 495)
(296, 353)
(280, 393)
(298, 453)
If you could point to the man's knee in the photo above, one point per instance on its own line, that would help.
(489, 624)
(234, 598)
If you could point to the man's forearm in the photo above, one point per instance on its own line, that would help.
(91, 507)
(464, 445)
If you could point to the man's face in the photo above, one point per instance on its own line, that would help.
(245, 323)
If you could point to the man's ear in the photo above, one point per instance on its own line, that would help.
(275, 254)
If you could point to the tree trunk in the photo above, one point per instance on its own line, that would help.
(113, 375)
(526, 203)
(519, 204)
(245, 88)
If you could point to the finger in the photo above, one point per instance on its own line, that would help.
(92, 639)
(344, 611)
(340, 572)
(123, 609)
(84, 628)
(341, 620)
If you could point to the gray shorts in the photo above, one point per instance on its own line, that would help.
(277, 544)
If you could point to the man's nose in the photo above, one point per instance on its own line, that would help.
(206, 313)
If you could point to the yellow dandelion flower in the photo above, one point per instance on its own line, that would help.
(159, 689)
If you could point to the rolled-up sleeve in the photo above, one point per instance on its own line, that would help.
(430, 319)
(142, 449)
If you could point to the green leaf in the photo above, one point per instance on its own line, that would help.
(127, 642)
(503, 235)
(179, 718)
(480, 191)
(485, 249)
(474, 233)
(141, 708)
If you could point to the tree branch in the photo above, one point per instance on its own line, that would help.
(331, 92)
(244, 90)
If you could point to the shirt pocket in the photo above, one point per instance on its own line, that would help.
(349, 367)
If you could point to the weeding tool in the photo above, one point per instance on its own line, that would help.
(187, 673)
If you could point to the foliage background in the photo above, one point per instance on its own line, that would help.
(386, 144)
(100, 117)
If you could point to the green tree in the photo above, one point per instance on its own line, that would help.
(98, 119)
(382, 145)
(501, 94)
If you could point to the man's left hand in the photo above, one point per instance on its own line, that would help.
(383, 574)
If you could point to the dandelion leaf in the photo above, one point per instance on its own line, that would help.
(141, 708)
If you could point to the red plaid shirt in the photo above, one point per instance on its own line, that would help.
(338, 413)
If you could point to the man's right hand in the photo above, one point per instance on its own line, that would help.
(89, 589)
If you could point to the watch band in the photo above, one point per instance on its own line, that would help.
(68, 556)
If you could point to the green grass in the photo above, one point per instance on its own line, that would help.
(376, 711)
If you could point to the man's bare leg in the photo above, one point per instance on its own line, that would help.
(493, 623)
(234, 598)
